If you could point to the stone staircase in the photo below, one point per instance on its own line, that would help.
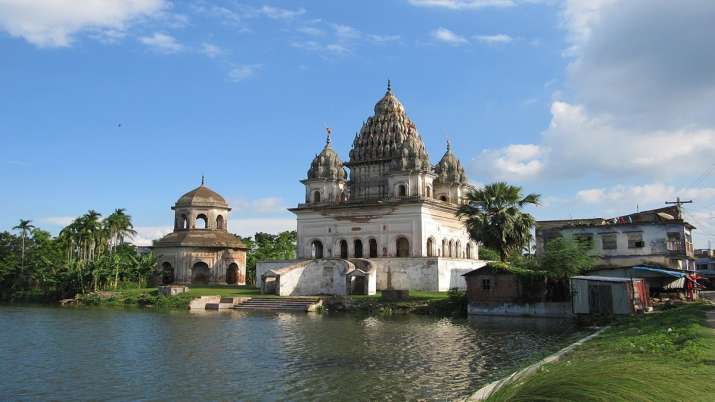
(280, 304)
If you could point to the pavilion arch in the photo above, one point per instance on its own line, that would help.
(468, 251)
(373, 253)
(401, 190)
(167, 273)
(403, 247)
(429, 192)
(445, 250)
(451, 248)
(183, 222)
(430, 247)
(343, 247)
(220, 222)
(458, 249)
(316, 249)
(200, 273)
(232, 274)
(202, 222)
(316, 196)
(357, 248)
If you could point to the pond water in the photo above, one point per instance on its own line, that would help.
(50, 353)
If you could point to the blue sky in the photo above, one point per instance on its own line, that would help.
(127, 103)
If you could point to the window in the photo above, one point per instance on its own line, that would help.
(584, 240)
(635, 240)
(609, 241)
(219, 222)
(202, 222)
(357, 246)
(486, 284)
(316, 196)
(402, 190)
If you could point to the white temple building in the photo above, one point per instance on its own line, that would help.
(388, 224)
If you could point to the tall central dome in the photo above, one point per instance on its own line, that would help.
(388, 142)
(390, 135)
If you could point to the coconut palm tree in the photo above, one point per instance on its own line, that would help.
(24, 227)
(118, 226)
(493, 216)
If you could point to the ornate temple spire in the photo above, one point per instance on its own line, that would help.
(202, 179)
(389, 85)
(329, 139)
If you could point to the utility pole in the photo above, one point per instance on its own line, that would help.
(679, 203)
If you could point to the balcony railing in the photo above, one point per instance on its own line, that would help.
(389, 198)
(679, 247)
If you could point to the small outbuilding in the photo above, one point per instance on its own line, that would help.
(608, 295)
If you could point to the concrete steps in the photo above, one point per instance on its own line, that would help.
(280, 304)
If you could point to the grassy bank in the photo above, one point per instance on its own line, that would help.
(442, 303)
(453, 303)
(664, 356)
(150, 296)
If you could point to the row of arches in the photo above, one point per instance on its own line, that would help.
(200, 274)
(316, 196)
(402, 246)
(201, 222)
(449, 249)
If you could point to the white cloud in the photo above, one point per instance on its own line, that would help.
(462, 4)
(243, 72)
(634, 194)
(59, 220)
(449, 37)
(53, 23)
(517, 161)
(346, 32)
(162, 43)
(281, 13)
(211, 50)
(146, 234)
(498, 39)
(331, 49)
(250, 226)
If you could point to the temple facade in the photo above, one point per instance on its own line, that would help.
(200, 250)
(394, 202)
(388, 212)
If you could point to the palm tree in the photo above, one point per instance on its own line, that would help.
(493, 216)
(24, 227)
(118, 226)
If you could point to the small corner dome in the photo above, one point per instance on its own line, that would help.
(202, 196)
(449, 170)
(327, 164)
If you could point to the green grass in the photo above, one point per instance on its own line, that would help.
(665, 356)
(415, 295)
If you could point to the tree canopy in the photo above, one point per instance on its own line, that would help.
(494, 217)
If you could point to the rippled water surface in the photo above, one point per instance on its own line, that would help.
(108, 354)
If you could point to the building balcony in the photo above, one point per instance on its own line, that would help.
(679, 247)
(375, 199)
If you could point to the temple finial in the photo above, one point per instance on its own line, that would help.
(389, 85)
(329, 139)
(202, 179)
(449, 145)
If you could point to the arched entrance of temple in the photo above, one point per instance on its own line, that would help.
(200, 273)
(373, 248)
(343, 249)
(232, 274)
(403, 247)
(167, 274)
(358, 248)
(316, 249)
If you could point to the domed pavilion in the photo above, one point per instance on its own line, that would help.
(200, 250)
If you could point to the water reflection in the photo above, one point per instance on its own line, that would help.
(52, 353)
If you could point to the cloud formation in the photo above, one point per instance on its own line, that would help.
(54, 23)
(462, 4)
(162, 43)
(243, 72)
(446, 36)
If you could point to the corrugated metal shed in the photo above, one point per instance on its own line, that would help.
(607, 295)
